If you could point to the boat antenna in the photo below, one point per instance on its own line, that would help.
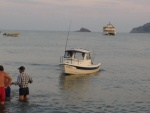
(68, 35)
(93, 56)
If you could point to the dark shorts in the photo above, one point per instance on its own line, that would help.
(23, 91)
(7, 90)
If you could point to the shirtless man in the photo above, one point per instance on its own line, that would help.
(3, 84)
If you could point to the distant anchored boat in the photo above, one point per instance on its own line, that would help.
(109, 29)
(15, 34)
(78, 61)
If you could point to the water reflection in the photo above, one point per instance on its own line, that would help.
(23, 107)
(75, 82)
(2, 109)
(76, 88)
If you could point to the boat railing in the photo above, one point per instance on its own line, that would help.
(62, 60)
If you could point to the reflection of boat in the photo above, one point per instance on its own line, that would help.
(78, 61)
(11, 34)
(109, 30)
(76, 82)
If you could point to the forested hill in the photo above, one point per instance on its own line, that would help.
(141, 29)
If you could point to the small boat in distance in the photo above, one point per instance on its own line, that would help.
(15, 34)
(78, 61)
(109, 29)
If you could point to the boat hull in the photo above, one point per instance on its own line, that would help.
(72, 69)
(109, 33)
(11, 34)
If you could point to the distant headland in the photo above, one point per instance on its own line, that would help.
(141, 29)
(84, 30)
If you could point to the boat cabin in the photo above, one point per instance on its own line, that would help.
(77, 56)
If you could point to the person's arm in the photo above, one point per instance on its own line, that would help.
(8, 80)
(18, 80)
(30, 80)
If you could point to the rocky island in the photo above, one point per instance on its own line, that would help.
(83, 30)
(141, 29)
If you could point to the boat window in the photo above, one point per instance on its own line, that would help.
(68, 54)
(79, 56)
(88, 56)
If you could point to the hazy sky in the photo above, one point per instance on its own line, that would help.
(55, 15)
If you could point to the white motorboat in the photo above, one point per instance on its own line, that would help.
(109, 30)
(78, 61)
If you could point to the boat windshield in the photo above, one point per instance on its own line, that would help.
(68, 54)
(88, 57)
(74, 55)
(79, 56)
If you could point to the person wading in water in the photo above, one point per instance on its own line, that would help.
(5, 81)
(22, 81)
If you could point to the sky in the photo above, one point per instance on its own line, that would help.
(56, 15)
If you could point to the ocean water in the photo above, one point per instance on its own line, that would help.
(122, 85)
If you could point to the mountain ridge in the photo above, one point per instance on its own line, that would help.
(141, 29)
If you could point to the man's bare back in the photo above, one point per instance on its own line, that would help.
(5, 79)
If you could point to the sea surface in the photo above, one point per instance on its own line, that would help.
(121, 86)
